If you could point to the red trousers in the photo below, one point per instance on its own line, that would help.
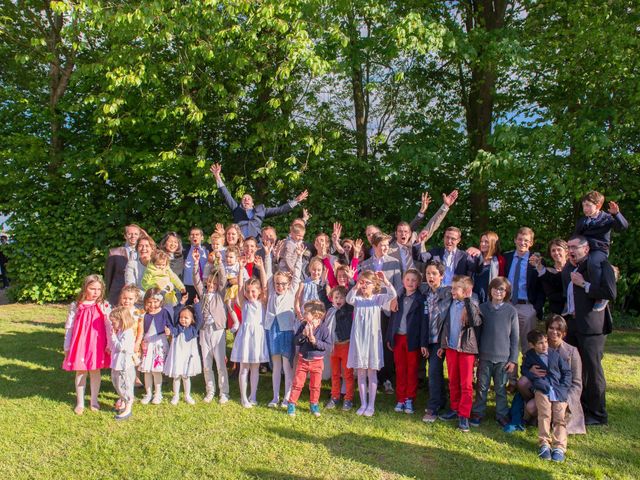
(314, 369)
(406, 369)
(460, 369)
(339, 364)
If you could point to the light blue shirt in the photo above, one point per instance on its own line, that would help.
(522, 284)
(447, 259)
(455, 323)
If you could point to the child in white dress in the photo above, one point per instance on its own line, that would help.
(250, 346)
(366, 353)
(123, 358)
(154, 344)
(183, 360)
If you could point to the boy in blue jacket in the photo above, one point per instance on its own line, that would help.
(550, 376)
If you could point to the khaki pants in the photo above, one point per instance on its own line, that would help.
(551, 413)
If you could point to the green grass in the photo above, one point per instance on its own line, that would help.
(42, 438)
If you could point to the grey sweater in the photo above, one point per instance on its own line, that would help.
(500, 333)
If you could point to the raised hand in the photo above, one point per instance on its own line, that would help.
(216, 169)
(337, 231)
(267, 245)
(305, 214)
(450, 199)
(277, 250)
(184, 299)
(220, 229)
(357, 247)
(424, 204)
(350, 272)
(300, 249)
(382, 278)
(302, 197)
(257, 261)
(614, 209)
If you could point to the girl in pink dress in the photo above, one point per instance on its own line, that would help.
(85, 342)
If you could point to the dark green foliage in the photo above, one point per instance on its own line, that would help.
(157, 91)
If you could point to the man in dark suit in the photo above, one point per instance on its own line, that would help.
(587, 328)
(117, 262)
(248, 215)
(456, 262)
(527, 294)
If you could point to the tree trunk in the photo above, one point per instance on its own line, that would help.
(486, 15)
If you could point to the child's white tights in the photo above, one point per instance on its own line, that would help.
(151, 378)
(280, 363)
(81, 384)
(245, 368)
(372, 375)
(186, 381)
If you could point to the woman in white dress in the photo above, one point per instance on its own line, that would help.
(250, 346)
(366, 353)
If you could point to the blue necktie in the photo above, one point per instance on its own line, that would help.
(516, 282)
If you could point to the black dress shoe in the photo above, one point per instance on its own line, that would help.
(594, 422)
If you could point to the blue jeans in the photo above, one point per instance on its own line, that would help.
(437, 392)
(486, 371)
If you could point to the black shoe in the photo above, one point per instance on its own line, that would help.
(594, 422)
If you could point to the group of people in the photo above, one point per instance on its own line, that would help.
(382, 315)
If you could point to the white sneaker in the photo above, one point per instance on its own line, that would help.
(284, 404)
(369, 412)
(175, 399)
(223, 399)
(190, 400)
(253, 402)
(146, 399)
(247, 404)
(208, 397)
(361, 410)
(273, 403)
(157, 398)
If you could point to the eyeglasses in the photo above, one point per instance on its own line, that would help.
(499, 289)
(281, 284)
(366, 282)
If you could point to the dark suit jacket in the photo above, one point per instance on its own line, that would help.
(415, 321)
(252, 226)
(558, 373)
(463, 264)
(586, 321)
(535, 291)
(114, 273)
(598, 231)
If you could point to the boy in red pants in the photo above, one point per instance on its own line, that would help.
(314, 339)
(339, 320)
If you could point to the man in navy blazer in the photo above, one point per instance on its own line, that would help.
(527, 294)
(248, 215)
(456, 262)
(587, 328)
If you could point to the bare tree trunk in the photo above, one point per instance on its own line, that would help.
(60, 69)
(486, 15)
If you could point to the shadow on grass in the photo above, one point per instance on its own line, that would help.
(402, 458)
(265, 473)
(43, 376)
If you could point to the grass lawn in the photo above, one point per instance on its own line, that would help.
(42, 438)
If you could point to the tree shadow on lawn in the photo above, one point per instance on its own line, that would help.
(45, 378)
(411, 460)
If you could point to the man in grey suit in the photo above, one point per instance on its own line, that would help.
(117, 262)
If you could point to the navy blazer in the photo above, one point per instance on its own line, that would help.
(585, 320)
(558, 373)
(598, 231)
(463, 264)
(251, 227)
(192, 330)
(535, 290)
(416, 321)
